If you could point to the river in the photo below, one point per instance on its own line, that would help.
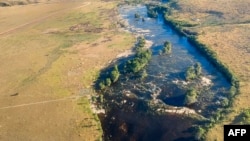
(152, 109)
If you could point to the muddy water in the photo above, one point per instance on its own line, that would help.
(152, 109)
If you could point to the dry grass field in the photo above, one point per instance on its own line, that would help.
(223, 25)
(50, 51)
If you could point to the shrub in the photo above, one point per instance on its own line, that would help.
(140, 44)
(193, 72)
(225, 102)
(108, 82)
(191, 96)
(101, 85)
(115, 74)
(198, 69)
(190, 73)
(200, 132)
(4, 4)
(167, 48)
(245, 117)
(139, 62)
(232, 91)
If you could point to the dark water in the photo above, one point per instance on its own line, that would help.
(142, 110)
(164, 1)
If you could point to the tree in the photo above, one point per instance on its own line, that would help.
(167, 49)
(139, 62)
(200, 133)
(115, 74)
(190, 96)
(193, 72)
(108, 82)
(141, 43)
(198, 69)
(101, 85)
(190, 73)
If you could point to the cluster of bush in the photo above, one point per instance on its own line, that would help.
(167, 48)
(134, 66)
(140, 60)
(193, 72)
(245, 117)
(140, 44)
(191, 96)
(112, 77)
(154, 9)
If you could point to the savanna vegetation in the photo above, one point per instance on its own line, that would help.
(56, 52)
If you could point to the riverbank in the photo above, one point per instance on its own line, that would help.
(222, 36)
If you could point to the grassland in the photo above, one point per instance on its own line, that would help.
(224, 26)
(50, 51)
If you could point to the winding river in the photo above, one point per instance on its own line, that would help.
(152, 109)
